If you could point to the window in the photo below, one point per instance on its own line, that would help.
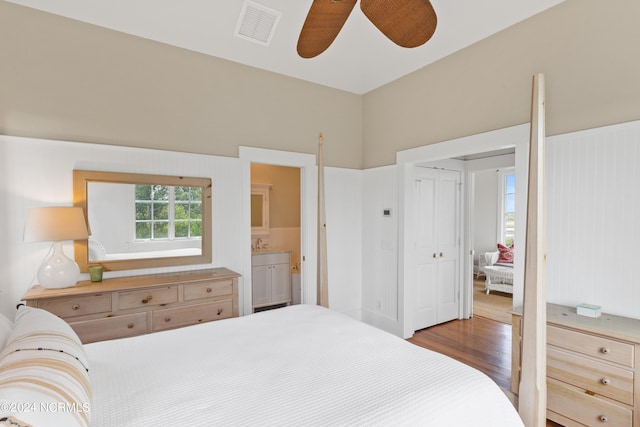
(168, 213)
(507, 207)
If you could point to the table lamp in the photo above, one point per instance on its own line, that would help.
(56, 224)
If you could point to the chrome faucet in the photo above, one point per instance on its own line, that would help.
(258, 243)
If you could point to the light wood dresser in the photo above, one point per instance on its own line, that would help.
(136, 305)
(593, 367)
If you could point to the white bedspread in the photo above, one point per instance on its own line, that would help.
(298, 366)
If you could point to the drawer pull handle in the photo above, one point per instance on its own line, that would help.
(604, 350)
(147, 299)
(130, 325)
(219, 311)
(208, 290)
(604, 418)
(167, 319)
(605, 381)
(75, 306)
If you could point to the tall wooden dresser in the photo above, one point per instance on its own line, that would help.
(593, 367)
(136, 305)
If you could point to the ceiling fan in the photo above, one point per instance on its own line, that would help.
(407, 23)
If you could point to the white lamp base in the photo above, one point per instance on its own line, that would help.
(58, 271)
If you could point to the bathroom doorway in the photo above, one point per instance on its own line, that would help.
(306, 164)
(275, 236)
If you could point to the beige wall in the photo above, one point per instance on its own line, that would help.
(63, 79)
(588, 50)
(284, 196)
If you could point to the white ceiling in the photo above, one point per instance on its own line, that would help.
(360, 59)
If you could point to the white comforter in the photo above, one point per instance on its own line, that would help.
(299, 366)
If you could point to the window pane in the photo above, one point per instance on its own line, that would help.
(196, 194)
(143, 211)
(511, 183)
(160, 211)
(182, 193)
(182, 211)
(143, 192)
(160, 230)
(160, 192)
(196, 228)
(508, 215)
(510, 203)
(182, 229)
(143, 230)
(196, 211)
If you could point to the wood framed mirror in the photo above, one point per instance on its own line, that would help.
(142, 221)
(260, 209)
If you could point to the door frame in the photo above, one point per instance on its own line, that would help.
(308, 217)
(515, 136)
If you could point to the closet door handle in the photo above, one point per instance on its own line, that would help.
(434, 255)
(441, 254)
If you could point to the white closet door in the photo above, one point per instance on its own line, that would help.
(426, 249)
(437, 248)
(448, 207)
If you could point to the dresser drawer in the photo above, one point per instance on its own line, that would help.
(584, 408)
(597, 377)
(590, 345)
(147, 297)
(111, 327)
(170, 318)
(77, 306)
(208, 289)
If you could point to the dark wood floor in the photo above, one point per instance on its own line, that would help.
(482, 343)
(478, 342)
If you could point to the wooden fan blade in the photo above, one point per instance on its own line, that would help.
(324, 21)
(407, 23)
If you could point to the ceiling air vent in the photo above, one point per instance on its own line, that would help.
(257, 23)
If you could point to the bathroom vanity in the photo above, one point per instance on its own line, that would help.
(270, 278)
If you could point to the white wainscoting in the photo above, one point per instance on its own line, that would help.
(380, 248)
(593, 220)
(343, 203)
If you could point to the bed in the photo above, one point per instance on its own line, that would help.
(298, 365)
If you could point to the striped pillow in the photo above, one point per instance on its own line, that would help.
(44, 372)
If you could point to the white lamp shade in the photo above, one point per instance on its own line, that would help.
(52, 224)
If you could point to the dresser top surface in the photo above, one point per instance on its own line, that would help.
(623, 328)
(128, 282)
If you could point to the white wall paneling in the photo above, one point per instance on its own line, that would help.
(343, 203)
(593, 224)
(380, 248)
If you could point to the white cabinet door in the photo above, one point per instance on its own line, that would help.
(437, 246)
(280, 283)
(261, 284)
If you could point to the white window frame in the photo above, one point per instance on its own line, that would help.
(502, 201)
(171, 219)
